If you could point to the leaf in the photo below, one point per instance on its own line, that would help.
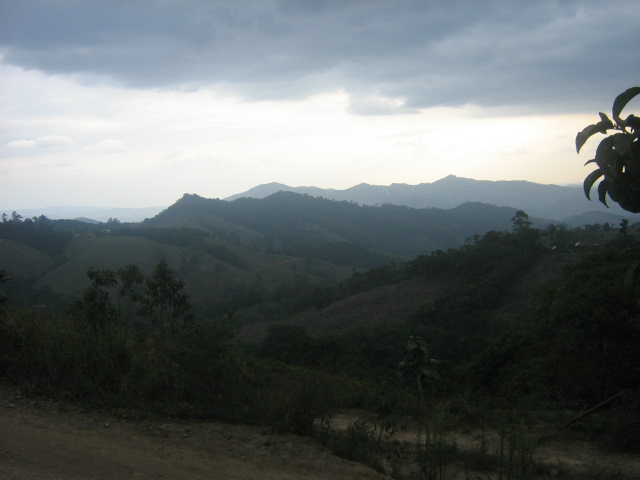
(613, 193)
(633, 122)
(590, 180)
(622, 143)
(621, 101)
(604, 118)
(602, 192)
(603, 152)
(587, 132)
(618, 166)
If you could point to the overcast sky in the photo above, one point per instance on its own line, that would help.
(134, 103)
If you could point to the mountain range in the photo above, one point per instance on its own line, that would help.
(244, 252)
(248, 248)
(552, 202)
(564, 204)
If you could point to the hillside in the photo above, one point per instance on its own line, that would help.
(397, 301)
(388, 304)
(514, 318)
(288, 222)
(216, 273)
(248, 252)
(23, 260)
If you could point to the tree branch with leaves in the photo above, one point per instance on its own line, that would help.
(617, 156)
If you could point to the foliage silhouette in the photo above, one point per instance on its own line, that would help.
(617, 156)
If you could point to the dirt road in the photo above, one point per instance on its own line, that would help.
(44, 440)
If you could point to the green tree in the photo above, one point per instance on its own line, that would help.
(617, 155)
(520, 221)
(129, 294)
(165, 299)
(3, 297)
(624, 224)
(95, 309)
(117, 297)
(419, 365)
(551, 230)
(588, 330)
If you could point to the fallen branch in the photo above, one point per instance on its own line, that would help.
(591, 410)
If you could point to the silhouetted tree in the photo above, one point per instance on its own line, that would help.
(520, 221)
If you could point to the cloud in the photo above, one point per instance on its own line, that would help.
(378, 105)
(42, 142)
(54, 141)
(21, 144)
(109, 145)
(552, 54)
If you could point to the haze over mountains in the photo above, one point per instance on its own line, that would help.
(88, 213)
(249, 248)
(566, 204)
(237, 251)
(553, 202)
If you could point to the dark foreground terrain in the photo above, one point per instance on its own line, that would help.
(43, 439)
(46, 440)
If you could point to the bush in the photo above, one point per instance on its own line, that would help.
(358, 442)
(192, 372)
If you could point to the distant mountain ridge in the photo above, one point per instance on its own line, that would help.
(552, 202)
(89, 214)
(565, 204)
(245, 247)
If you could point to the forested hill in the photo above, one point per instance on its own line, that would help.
(235, 252)
(292, 223)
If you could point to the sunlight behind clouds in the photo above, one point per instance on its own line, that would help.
(213, 98)
(215, 144)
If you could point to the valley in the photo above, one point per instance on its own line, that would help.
(285, 313)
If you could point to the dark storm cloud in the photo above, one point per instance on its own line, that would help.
(551, 54)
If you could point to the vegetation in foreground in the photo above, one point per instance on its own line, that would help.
(132, 344)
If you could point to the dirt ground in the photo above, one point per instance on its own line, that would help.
(45, 440)
(556, 455)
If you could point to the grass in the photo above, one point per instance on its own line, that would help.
(105, 253)
(23, 261)
(209, 280)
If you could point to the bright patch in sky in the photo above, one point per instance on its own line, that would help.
(374, 100)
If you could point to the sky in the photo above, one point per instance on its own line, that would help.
(121, 103)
